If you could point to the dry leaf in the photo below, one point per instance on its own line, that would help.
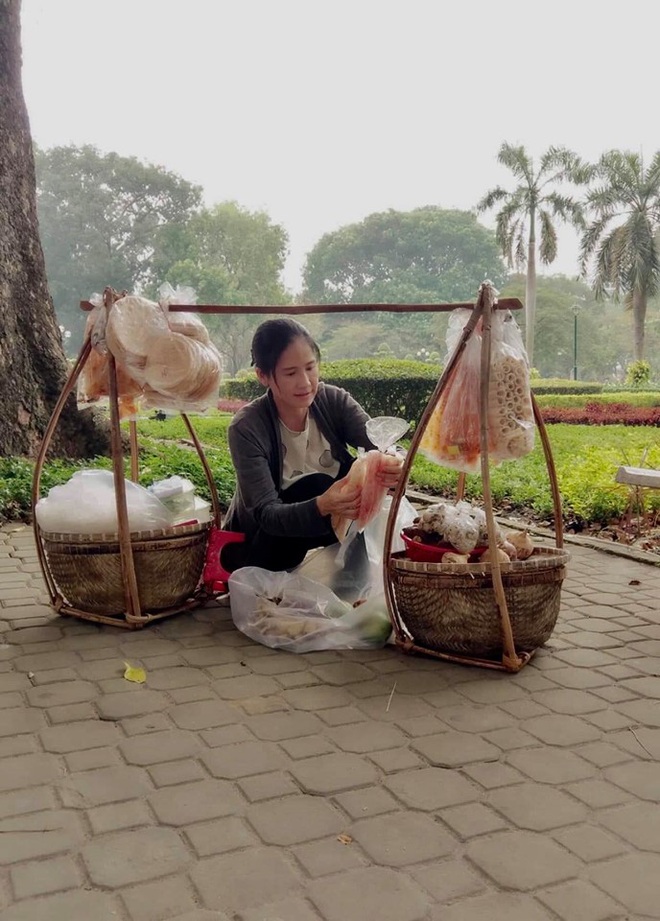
(135, 674)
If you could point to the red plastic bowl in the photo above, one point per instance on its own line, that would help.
(431, 553)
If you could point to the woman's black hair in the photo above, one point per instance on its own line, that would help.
(272, 337)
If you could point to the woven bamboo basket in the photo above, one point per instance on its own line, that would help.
(453, 609)
(494, 614)
(88, 572)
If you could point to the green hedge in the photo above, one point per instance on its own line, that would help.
(540, 385)
(385, 387)
(580, 400)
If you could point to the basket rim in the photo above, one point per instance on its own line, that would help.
(108, 537)
(543, 558)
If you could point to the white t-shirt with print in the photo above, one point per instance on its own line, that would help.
(306, 452)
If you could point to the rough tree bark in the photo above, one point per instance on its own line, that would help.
(33, 366)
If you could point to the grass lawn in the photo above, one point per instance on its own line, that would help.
(586, 458)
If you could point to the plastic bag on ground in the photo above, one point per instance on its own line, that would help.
(287, 611)
(86, 504)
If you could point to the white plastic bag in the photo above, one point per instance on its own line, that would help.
(86, 504)
(353, 570)
(287, 611)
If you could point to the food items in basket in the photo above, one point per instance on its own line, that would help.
(522, 544)
(445, 531)
(500, 555)
(460, 524)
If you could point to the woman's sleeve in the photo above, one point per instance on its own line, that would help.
(259, 494)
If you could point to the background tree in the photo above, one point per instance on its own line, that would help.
(32, 363)
(534, 201)
(602, 334)
(424, 256)
(622, 237)
(99, 216)
(229, 255)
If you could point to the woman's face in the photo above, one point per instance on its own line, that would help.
(295, 381)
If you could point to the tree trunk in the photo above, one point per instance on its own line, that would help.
(639, 319)
(530, 289)
(33, 367)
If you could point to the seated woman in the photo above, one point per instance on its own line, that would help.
(289, 449)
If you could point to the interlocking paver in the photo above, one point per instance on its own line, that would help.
(535, 806)
(45, 876)
(239, 881)
(294, 819)
(220, 836)
(114, 861)
(169, 745)
(454, 749)
(243, 759)
(345, 782)
(67, 906)
(431, 788)
(589, 842)
(637, 823)
(195, 802)
(29, 771)
(175, 772)
(522, 860)
(493, 907)
(580, 901)
(632, 880)
(157, 900)
(333, 773)
(40, 834)
(330, 855)
(642, 779)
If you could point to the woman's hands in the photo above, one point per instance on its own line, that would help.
(341, 500)
(390, 471)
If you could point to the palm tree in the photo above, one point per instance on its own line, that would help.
(534, 200)
(622, 240)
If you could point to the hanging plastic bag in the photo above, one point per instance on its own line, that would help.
(452, 436)
(510, 413)
(94, 381)
(287, 611)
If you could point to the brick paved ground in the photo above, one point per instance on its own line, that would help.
(242, 784)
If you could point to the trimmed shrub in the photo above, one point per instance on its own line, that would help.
(384, 387)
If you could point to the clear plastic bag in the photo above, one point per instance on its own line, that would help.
(287, 611)
(164, 360)
(354, 569)
(93, 383)
(384, 432)
(510, 414)
(86, 504)
(453, 435)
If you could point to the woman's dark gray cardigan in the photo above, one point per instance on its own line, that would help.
(256, 451)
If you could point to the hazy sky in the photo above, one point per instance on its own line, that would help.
(322, 112)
